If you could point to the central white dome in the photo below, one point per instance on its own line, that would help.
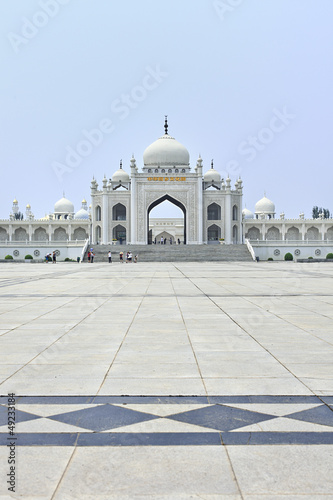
(64, 206)
(166, 151)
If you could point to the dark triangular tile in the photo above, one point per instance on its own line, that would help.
(322, 415)
(20, 416)
(222, 418)
(102, 418)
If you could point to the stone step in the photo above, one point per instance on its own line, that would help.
(174, 253)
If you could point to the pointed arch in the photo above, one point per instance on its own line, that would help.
(169, 198)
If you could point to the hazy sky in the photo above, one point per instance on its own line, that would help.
(85, 83)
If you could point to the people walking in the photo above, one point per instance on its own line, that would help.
(89, 255)
(110, 257)
(54, 258)
(121, 257)
(92, 255)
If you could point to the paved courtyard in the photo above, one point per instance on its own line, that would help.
(166, 380)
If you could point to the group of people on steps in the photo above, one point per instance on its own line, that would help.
(129, 257)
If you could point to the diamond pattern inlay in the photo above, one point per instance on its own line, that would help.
(221, 418)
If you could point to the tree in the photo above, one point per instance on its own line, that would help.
(316, 211)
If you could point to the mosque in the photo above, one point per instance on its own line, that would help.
(120, 210)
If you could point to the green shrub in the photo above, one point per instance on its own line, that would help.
(288, 256)
(9, 257)
(270, 258)
(28, 256)
(310, 258)
(69, 260)
(329, 256)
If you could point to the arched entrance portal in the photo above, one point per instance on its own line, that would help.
(158, 202)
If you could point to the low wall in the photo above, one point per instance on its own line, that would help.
(265, 252)
(18, 252)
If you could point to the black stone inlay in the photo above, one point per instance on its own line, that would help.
(171, 439)
(222, 418)
(42, 439)
(151, 399)
(264, 399)
(322, 415)
(276, 438)
(150, 439)
(20, 416)
(102, 418)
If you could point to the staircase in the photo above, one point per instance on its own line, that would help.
(174, 253)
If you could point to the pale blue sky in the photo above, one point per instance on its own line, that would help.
(223, 71)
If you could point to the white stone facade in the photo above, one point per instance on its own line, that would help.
(212, 208)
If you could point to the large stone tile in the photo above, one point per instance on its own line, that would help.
(171, 471)
(39, 470)
(283, 470)
(255, 386)
(153, 386)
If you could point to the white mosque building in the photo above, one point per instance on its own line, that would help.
(120, 210)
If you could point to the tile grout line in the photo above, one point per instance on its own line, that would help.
(249, 334)
(66, 468)
(189, 338)
(126, 333)
(59, 338)
(231, 465)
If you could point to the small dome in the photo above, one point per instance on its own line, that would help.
(120, 175)
(212, 175)
(28, 206)
(247, 214)
(264, 206)
(81, 214)
(166, 151)
(15, 201)
(64, 206)
(84, 200)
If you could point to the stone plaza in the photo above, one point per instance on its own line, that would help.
(166, 380)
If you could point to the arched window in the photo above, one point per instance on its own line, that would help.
(235, 212)
(312, 234)
(60, 234)
(253, 233)
(80, 234)
(3, 234)
(40, 234)
(214, 212)
(293, 234)
(273, 234)
(213, 233)
(98, 212)
(119, 233)
(119, 212)
(98, 233)
(20, 234)
(235, 235)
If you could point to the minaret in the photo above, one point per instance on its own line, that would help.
(15, 208)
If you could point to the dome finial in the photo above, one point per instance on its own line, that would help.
(212, 164)
(121, 164)
(166, 125)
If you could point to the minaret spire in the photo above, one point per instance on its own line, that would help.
(166, 125)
